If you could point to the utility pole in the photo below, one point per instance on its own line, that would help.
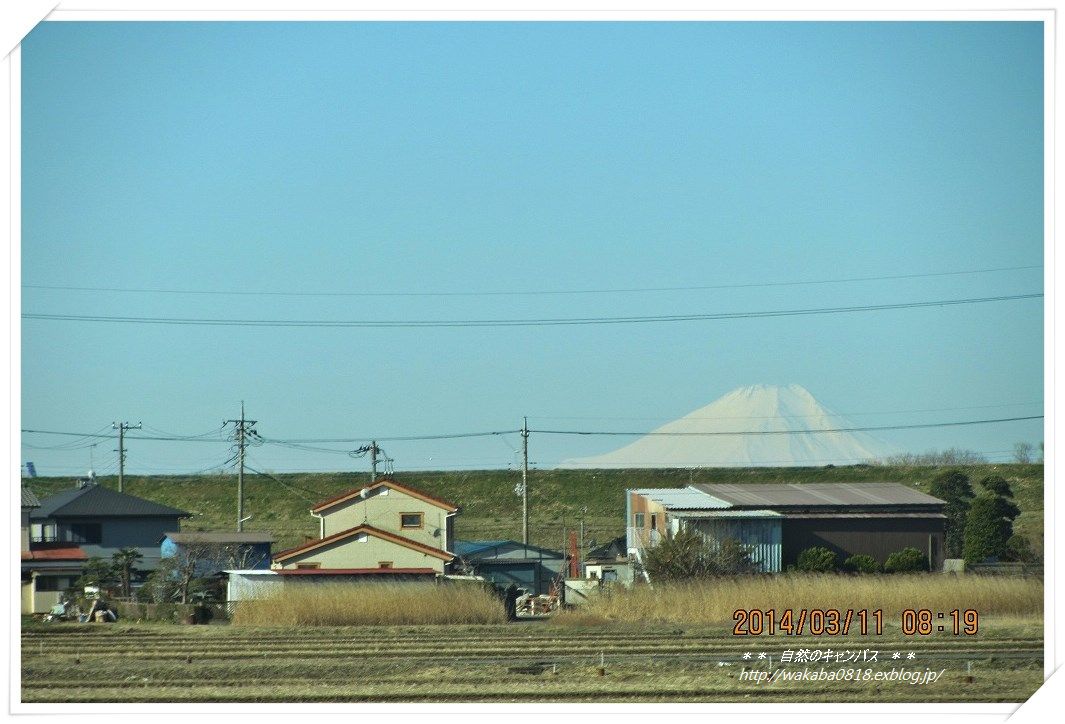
(373, 461)
(525, 481)
(584, 511)
(122, 427)
(242, 429)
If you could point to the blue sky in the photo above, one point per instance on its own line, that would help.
(527, 157)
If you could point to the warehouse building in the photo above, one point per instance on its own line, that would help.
(775, 522)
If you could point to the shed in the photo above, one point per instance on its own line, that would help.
(777, 521)
(504, 562)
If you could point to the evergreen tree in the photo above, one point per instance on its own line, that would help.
(989, 527)
(953, 487)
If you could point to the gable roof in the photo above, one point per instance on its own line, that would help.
(219, 536)
(29, 500)
(609, 551)
(98, 501)
(486, 549)
(369, 530)
(389, 483)
(817, 494)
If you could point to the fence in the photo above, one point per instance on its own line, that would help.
(171, 612)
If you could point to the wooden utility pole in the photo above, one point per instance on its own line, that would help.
(242, 429)
(525, 481)
(373, 460)
(122, 427)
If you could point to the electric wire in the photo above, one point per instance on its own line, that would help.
(512, 293)
(542, 322)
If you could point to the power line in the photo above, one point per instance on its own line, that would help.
(511, 293)
(784, 417)
(789, 432)
(543, 322)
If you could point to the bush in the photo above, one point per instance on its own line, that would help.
(816, 560)
(1020, 550)
(908, 560)
(686, 555)
(988, 528)
(861, 564)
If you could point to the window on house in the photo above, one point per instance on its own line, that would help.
(654, 524)
(54, 583)
(384, 564)
(637, 520)
(309, 565)
(42, 532)
(85, 533)
(410, 520)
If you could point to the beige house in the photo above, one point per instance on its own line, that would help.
(383, 525)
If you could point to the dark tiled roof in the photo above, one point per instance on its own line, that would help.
(609, 551)
(220, 536)
(98, 501)
(29, 500)
(776, 495)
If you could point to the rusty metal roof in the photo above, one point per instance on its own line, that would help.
(816, 494)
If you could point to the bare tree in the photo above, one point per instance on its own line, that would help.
(1022, 452)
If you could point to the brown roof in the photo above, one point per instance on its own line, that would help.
(356, 572)
(388, 482)
(775, 495)
(369, 530)
(54, 552)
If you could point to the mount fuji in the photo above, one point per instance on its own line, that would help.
(788, 412)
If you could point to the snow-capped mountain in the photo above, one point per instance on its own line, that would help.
(787, 411)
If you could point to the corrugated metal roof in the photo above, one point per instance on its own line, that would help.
(220, 536)
(817, 494)
(29, 500)
(702, 514)
(98, 501)
(688, 498)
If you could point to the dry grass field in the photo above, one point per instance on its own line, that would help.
(337, 604)
(713, 602)
(524, 662)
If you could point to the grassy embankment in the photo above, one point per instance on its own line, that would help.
(490, 510)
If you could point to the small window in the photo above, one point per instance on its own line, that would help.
(53, 583)
(384, 564)
(310, 565)
(637, 520)
(410, 520)
(654, 524)
(85, 533)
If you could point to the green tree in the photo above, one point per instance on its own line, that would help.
(908, 560)
(997, 485)
(990, 525)
(953, 487)
(123, 562)
(861, 564)
(96, 572)
(816, 560)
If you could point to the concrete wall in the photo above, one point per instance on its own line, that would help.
(365, 551)
(382, 509)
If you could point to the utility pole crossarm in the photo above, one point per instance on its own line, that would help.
(242, 429)
(122, 427)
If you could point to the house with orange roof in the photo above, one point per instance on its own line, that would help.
(385, 525)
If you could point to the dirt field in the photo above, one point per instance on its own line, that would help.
(511, 663)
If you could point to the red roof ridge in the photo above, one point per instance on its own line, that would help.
(390, 482)
(364, 528)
